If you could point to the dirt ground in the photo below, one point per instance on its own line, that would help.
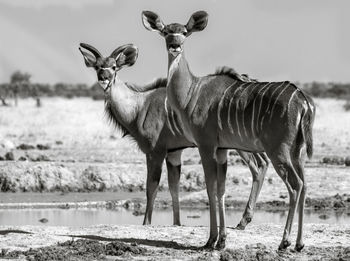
(322, 242)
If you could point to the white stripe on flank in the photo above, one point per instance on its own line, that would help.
(252, 122)
(229, 118)
(266, 87)
(229, 109)
(245, 105)
(277, 100)
(221, 104)
(167, 115)
(237, 107)
(268, 105)
(290, 100)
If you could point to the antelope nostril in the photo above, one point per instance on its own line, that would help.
(174, 46)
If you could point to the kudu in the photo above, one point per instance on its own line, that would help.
(140, 113)
(218, 111)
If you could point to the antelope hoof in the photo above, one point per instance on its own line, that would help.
(299, 247)
(146, 222)
(240, 226)
(243, 223)
(221, 243)
(284, 244)
(210, 245)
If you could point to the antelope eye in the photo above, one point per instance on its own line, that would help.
(185, 33)
(114, 67)
(165, 33)
(96, 68)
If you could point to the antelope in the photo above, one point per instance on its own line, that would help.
(140, 113)
(221, 112)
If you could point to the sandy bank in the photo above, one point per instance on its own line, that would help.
(326, 242)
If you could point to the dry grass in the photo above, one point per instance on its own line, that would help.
(81, 126)
(332, 128)
(79, 123)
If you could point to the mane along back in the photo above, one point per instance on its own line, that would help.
(230, 72)
(156, 84)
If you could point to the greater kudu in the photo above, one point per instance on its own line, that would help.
(218, 111)
(140, 113)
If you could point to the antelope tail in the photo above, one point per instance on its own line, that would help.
(307, 120)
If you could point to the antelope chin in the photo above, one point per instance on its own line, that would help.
(175, 51)
(103, 84)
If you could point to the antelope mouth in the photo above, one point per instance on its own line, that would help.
(175, 49)
(103, 83)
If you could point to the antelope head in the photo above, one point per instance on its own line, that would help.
(107, 67)
(175, 34)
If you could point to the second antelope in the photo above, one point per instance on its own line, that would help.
(221, 112)
(140, 113)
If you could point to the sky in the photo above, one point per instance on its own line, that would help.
(270, 40)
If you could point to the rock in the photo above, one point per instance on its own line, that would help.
(22, 158)
(43, 147)
(235, 180)
(270, 180)
(43, 220)
(58, 142)
(127, 204)
(9, 156)
(24, 146)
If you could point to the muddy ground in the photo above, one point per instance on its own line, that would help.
(323, 242)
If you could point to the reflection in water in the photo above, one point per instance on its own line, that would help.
(189, 217)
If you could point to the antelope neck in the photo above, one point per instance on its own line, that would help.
(125, 102)
(180, 80)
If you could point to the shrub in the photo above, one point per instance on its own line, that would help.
(347, 161)
(333, 160)
(347, 105)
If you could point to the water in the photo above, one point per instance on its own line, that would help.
(90, 216)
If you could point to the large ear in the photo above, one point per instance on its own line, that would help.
(152, 21)
(91, 57)
(197, 22)
(125, 55)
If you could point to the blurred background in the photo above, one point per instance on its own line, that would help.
(270, 40)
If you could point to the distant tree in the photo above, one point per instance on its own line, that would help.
(19, 80)
(4, 92)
